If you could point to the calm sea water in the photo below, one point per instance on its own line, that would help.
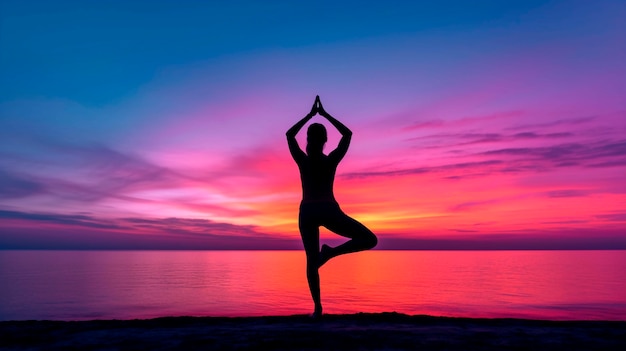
(79, 285)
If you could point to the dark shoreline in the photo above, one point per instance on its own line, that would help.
(362, 331)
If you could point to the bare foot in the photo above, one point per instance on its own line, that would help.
(325, 255)
(318, 312)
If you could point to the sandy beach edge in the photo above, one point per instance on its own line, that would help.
(361, 331)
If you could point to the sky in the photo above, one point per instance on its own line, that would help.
(161, 124)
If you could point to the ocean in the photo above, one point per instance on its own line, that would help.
(85, 285)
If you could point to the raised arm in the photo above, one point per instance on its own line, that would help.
(294, 148)
(346, 133)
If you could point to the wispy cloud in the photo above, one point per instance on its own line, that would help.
(464, 122)
(598, 154)
(17, 186)
(556, 123)
(448, 141)
(81, 220)
(175, 232)
(613, 217)
(481, 165)
(86, 172)
(520, 159)
(567, 193)
(472, 205)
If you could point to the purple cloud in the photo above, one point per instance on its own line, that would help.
(81, 231)
(557, 123)
(13, 186)
(82, 172)
(72, 220)
(423, 170)
(613, 217)
(453, 140)
(599, 154)
(567, 193)
(470, 205)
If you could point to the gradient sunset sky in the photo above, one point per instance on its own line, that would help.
(161, 124)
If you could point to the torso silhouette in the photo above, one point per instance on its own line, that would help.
(317, 173)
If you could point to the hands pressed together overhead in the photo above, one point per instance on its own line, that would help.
(318, 108)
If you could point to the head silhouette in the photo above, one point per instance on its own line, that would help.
(316, 138)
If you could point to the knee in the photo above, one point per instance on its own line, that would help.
(370, 241)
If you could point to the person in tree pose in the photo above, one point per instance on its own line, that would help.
(318, 206)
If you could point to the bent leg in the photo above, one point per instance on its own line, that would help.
(361, 238)
(311, 239)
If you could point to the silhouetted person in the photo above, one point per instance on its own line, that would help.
(318, 206)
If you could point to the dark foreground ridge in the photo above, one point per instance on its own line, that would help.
(362, 331)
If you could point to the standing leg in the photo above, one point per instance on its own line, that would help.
(361, 238)
(311, 239)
